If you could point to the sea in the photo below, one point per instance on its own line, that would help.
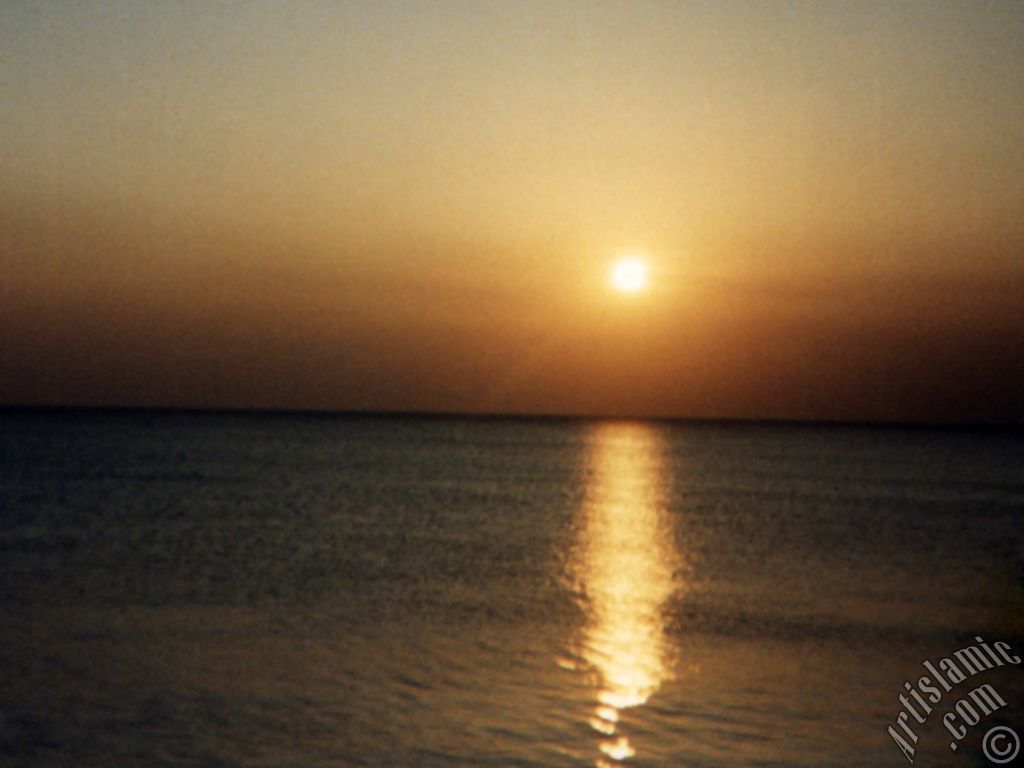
(282, 590)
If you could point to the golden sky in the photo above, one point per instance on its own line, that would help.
(416, 206)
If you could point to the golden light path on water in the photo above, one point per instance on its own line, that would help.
(624, 567)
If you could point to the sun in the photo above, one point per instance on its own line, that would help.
(629, 275)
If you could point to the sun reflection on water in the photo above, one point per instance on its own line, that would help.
(624, 569)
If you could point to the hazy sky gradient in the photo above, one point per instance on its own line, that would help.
(415, 205)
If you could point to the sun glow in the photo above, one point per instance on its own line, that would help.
(629, 275)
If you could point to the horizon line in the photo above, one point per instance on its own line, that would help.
(368, 413)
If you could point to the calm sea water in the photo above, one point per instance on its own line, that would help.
(272, 590)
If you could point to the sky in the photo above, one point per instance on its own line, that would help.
(416, 206)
